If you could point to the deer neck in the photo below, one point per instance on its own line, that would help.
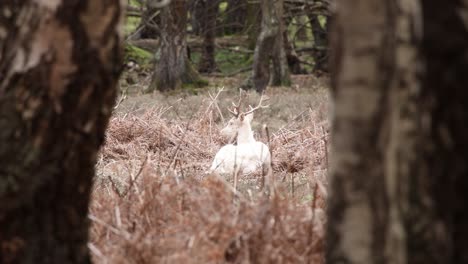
(245, 135)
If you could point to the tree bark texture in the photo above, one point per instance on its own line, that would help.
(399, 174)
(207, 62)
(173, 67)
(280, 76)
(59, 65)
(270, 45)
(196, 15)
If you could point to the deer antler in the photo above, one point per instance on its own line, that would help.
(253, 109)
(236, 107)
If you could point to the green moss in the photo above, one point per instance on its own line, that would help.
(227, 61)
(200, 83)
(322, 21)
(223, 6)
(140, 56)
(131, 24)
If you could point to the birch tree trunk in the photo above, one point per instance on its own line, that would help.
(399, 175)
(59, 65)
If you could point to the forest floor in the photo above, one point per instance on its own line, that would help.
(153, 203)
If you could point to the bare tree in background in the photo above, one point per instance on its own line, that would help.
(173, 67)
(270, 45)
(207, 22)
(59, 65)
(235, 16)
(320, 34)
(399, 175)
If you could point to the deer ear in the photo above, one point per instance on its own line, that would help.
(249, 117)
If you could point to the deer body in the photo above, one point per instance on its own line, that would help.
(247, 156)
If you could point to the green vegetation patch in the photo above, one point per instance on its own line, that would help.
(140, 56)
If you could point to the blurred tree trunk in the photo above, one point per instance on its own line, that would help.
(59, 65)
(293, 60)
(149, 24)
(320, 43)
(253, 23)
(235, 16)
(270, 45)
(280, 76)
(302, 23)
(399, 175)
(208, 25)
(173, 67)
(291, 55)
(196, 15)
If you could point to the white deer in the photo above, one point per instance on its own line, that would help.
(248, 155)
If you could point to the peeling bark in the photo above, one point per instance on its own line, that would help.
(59, 65)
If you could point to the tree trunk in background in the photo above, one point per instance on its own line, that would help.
(291, 55)
(196, 15)
(59, 65)
(173, 67)
(235, 16)
(208, 26)
(399, 175)
(320, 43)
(439, 193)
(270, 44)
(302, 24)
(293, 60)
(253, 23)
(280, 76)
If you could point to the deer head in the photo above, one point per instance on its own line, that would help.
(239, 127)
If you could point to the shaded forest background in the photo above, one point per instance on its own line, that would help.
(173, 46)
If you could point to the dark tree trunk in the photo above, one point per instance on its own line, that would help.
(438, 192)
(253, 23)
(291, 55)
(399, 175)
(320, 43)
(173, 67)
(293, 60)
(280, 76)
(235, 16)
(59, 65)
(196, 16)
(270, 45)
(208, 25)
